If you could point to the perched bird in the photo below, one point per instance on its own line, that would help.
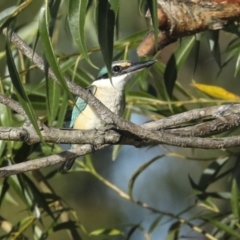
(109, 91)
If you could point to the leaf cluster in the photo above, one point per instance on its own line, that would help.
(154, 94)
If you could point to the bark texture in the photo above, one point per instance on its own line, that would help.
(178, 19)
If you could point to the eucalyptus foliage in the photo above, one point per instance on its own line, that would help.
(215, 213)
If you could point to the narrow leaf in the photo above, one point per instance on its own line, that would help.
(108, 232)
(237, 68)
(197, 46)
(155, 224)
(48, 49)
(152, 4)
(16, 186)
(235, 199)
(19, 90)
(215, 91)
(213, 37)
(224, 227)
(132, 230)
(173, 232)
(53, 91)
(105, 25)
(4, 190)
(210, 173)
(114, 6)
(13, 11)
(6, 15)
(77, 10)
(65, 225)
(36, 196)
(24, 225)
(138, 172)
(175, 62)
(62, 110)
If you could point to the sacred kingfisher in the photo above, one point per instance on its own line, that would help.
(110, 91)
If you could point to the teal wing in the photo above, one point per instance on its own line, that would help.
(80, 105)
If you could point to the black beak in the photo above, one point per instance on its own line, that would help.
(139, 66)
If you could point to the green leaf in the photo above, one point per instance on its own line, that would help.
(48, 49)
(54, 9)
(235, 199)
(155, 224)
(153, 7)
(23, 225)
(197, 46)
(237, 68)
(114, 6)
(219, 195)
(194, 185)
(175, 63)
(6, 119)
(4, 190)
(12, 12)
(213, 38)
(105, 26)
(6, 15)
(19, 90)
(108, 232)
(16, 186)
(209, 204)
(77, 10)
(173, 232)
(62, 110)
(53, 95)
(209, 174)
(37, 198)
(132, 230)
(65, 225)
(53, 90)
(138, 172)
(225, 228)
(132, 40)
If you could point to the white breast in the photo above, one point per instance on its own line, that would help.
(112, 98)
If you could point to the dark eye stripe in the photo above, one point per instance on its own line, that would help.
(115, 72)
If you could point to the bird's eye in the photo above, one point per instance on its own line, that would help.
(116, 69)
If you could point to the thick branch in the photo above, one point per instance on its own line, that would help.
(229, 114)
(159, 132)
(228, 118)
(181, 18)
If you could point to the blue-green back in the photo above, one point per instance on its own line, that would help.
(80, 105)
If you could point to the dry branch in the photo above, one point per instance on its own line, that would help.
(178, 130)
(182, 18)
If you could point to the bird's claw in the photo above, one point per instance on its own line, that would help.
(105, 126)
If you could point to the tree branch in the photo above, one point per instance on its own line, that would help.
(100, 139)
(14, 105)
(178, 130)
(177, 19)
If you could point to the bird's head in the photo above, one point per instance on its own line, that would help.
(121, 72)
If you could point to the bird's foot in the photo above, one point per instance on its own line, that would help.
(106, 126)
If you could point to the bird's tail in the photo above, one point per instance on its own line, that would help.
(66, 166)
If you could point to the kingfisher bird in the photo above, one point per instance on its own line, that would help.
(109, 91)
